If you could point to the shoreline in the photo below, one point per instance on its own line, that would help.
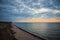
(30, 33)
(16, 33)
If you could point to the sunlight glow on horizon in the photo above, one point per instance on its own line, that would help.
(39, 21)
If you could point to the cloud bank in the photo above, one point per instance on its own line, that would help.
(14, 10)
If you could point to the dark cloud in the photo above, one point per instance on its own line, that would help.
(11, 9)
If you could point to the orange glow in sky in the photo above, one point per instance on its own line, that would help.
(40, 21)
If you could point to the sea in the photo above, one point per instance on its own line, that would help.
(46, 30)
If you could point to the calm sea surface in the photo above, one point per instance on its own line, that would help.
(49, 31)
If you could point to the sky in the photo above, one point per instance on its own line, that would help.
(16, 10)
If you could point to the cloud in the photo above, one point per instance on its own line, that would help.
(25, 9)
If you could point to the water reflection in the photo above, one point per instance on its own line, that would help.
(50, 31)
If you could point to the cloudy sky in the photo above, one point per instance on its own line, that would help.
(14, 10)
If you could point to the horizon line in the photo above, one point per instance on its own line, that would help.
(39, 21)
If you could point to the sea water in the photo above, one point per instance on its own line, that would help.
(48, 31)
